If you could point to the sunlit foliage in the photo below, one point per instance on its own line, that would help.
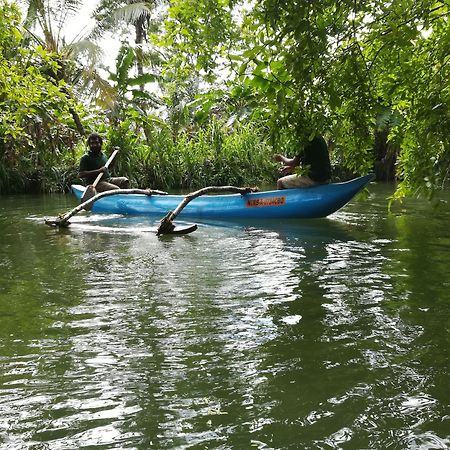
(36, 124)
(333, 67)
(370, 75)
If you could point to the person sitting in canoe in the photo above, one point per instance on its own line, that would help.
(314, 158)
(94, 162)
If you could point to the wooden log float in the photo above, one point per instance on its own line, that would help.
(166, 225)
(63, 220)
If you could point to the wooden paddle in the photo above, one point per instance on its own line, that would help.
(90, 190)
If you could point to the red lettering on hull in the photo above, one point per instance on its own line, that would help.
(273, 201)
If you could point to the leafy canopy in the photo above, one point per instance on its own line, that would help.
(331, 67)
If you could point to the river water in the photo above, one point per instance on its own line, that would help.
(316, 334)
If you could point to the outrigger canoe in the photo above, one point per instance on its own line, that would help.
(313, 202)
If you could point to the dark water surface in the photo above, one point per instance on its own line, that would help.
(318, 334)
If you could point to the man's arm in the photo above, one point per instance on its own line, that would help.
(291, 162)
(288, 163)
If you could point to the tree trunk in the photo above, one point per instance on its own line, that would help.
(139, 39)
(77, 120)
(385, 157)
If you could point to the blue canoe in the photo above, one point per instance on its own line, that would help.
(313, 202)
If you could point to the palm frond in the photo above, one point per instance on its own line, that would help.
(132, 13)
(152, 57)
(128, 14)
(148, 96)
(99, 88)
(72, 6)
(92, 51)
(31, 36)
(34, 10)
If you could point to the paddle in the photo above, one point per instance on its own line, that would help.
(90, 190)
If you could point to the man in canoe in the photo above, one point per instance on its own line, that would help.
(315, 159)
(94, 162)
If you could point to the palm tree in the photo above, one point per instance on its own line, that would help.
(110, 14)
(49, 18)
(143, 17)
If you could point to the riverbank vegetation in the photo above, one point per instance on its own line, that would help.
(204, 93)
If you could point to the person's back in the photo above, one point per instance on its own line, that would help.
(316, 156)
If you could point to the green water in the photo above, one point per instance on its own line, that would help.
(319, 334)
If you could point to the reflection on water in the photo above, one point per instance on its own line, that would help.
(313, 334)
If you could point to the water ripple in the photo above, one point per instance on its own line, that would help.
(319, 334)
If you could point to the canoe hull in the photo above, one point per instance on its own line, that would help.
(313, 202)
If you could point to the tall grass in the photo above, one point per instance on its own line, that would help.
(210, 156)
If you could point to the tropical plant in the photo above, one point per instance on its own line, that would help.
(213, 155)
(125, 83)
(141, 16)
(331, 67)
(77, 61)
(37, 126)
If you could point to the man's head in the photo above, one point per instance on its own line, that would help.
(94, 142)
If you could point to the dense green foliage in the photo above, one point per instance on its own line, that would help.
(210, 157)
(208, 92)
(334, 67)
(36, 126)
